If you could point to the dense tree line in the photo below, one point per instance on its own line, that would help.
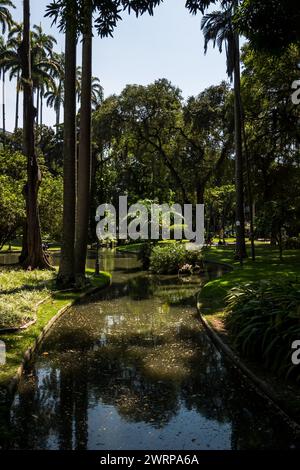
(234, 147)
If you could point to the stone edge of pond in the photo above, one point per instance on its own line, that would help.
(12, 384)
(260, 386)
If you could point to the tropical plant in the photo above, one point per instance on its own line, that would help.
(55, 95)
(97, 93)
(44, 65)
(6, 20)
(264, 321)
(14, 42)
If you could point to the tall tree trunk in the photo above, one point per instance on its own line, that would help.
(66, 276)
(249, 187)
(57, 107)
(84, 158)
(37, 105)
(57, 112)
(41, 110)
(35, 255)
(3, 109)
(57, 119)
(239, 163)
(17, 102)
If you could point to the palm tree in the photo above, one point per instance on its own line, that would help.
(97, 92)
(69, 17)
(5, 15)
(14, 42)
(84, 158)
(218, 27)
(2, 76)
(5, 22)
(55, 95)
(33, 256)
(44, 65)
(66, 15)
(42, 51)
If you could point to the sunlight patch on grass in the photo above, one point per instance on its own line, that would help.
(17, 343)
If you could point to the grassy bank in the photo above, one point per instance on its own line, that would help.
(213, 300)
(266, 266)
(17, 343)
(131, 248)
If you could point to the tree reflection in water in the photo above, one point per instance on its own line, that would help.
(135, 370)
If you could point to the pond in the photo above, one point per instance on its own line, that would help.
(132, 368)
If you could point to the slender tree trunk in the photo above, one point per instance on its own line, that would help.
(35, 255)
(93, 205)
(3, 108)
(57, 119)
(239, 163)
(200, 193)
(17, 102)
(66, 276)
(57, 110)
(37, 105)
(41, 111)
(249, 186)
(84, 158)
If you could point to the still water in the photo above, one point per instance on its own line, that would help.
(132, 368)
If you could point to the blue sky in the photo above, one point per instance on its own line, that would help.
(168, 45)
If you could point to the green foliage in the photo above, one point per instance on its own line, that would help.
(12, 204)
(51, 207)
(292, 243)
(270, 25)
(107, 13)
(152, 142)
(264, 320)
(170, 258)
(272, 133)
(12, 207)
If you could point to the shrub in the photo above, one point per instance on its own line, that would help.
(169, 258)
(264, 319)
(144, 254)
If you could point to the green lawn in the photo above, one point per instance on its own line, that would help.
(135, 247)
(17, 247)
(232, 240)
(18, 343)
(132, 248)
(266, 266)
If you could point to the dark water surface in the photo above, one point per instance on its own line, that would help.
(133, 369)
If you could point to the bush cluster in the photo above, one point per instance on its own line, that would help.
(264, 320)
(170, 258)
